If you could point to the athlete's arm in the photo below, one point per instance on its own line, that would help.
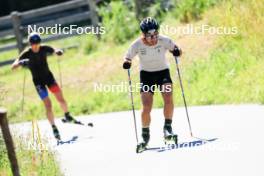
(21, 61)
(131, 53)
(52, 50)
(172, 47)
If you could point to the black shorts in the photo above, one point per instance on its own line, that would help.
(149, 80)
(41, 85)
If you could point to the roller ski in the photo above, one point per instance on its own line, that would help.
(169, 137)
(141, 147)
(69, 119)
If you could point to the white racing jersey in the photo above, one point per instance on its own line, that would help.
(151, 58)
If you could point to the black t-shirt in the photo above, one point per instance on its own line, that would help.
(38, 64)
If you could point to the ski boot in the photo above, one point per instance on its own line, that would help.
(169, 137)
(56, 133)
(69, 119)
(143, 145)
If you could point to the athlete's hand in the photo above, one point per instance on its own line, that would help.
(59, 52)
(127, 64)
(15, 65)
(176, 52)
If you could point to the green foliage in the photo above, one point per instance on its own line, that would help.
(157, 11)
(119, 22)
(192, 9)
(232, 72)
(3, 154)
(91, 45)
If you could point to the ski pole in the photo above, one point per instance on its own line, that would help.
(23, 94)
(183, 96)
(132, 103)
(59, 68)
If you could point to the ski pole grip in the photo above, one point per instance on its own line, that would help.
(9, 142)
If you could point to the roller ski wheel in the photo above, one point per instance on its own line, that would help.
(171, 139)
(141, 147)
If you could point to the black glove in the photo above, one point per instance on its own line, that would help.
(24, 62)
(176, 51)
(126, 65)
(59, 52)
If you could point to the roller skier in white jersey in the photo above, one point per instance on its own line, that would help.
(154, 70)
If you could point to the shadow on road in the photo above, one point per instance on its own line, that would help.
(71, 141)
(190, 144)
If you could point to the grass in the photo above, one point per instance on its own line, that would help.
(231, 74)
(31, 162)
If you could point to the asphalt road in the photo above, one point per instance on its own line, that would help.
(237, 147)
